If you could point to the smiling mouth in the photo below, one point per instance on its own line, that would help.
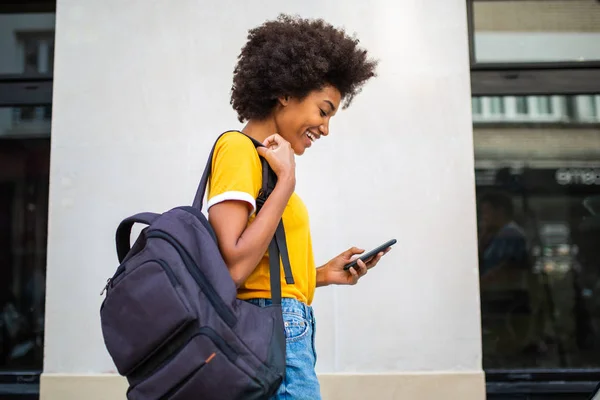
(311, 136)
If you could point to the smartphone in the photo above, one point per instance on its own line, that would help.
(365, 256)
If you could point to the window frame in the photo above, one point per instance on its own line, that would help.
(23, 90)
(534, 79)
(18, 90)
(27, 6)
(529, 78)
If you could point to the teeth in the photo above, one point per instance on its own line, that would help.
(311, 136)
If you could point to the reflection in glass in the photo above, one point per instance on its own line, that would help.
(544, 105)
(536, 30)
(24, 177)
(24, 122)
(27, 43)
(496, 105)
(538, 196)
(522, 107)
(582, 109)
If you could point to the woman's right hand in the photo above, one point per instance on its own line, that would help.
(279, 154)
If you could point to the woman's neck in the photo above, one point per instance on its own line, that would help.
(260, 129)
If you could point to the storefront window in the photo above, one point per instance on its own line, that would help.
(24, 177)
(539, 230)
(538, 191)
(535, 82)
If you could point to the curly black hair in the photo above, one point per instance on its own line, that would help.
(292, 56)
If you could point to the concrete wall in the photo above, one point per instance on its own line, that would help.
(141, 91)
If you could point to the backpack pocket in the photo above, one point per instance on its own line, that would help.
(204, 367)
(143, 309)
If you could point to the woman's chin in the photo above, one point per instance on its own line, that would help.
(299, 149)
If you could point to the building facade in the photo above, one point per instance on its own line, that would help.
(110, 108)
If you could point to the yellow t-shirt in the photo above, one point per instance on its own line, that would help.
(237, 175)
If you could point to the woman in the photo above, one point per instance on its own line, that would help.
(291, 77)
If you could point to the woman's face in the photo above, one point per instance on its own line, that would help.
(303, 122)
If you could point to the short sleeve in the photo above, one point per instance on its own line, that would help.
(236, 171)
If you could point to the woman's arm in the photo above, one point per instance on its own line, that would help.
(243, 245)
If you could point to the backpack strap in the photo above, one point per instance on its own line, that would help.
(274, 271)
(199, 198)
(278, 246)
(285, 258)
(124, 231)
(269, 182)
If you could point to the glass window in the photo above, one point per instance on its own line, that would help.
(25, 122)
(476, 106)
(24, 177)
(496, 105)
(522, 106)
(26, 49)
(507, 31)
(577, 109)
(538, 196)
(27, 43)
(544, 105)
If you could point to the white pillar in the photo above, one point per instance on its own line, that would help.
(141, 90)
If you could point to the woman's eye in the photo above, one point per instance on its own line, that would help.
(323, 113)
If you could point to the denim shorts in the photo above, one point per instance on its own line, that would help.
(301, 381)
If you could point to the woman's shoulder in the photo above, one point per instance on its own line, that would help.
(233, 146)
(235, 139)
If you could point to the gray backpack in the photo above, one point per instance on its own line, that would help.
(171, 320)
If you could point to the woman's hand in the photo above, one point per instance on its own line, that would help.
(279, 154)
(333, 272)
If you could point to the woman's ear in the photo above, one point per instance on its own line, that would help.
(284, 100)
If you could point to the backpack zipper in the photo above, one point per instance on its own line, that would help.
(163, 265)
(169, 272)
(186, 379)
(165, 354)
(223, 347)
(216, 301)
(219, 342)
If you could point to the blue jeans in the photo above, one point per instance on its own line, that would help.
(301, 381)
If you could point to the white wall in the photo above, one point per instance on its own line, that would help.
(141, 91)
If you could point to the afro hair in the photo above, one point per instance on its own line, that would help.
(291, 56)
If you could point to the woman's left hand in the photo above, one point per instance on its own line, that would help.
(334, 270)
